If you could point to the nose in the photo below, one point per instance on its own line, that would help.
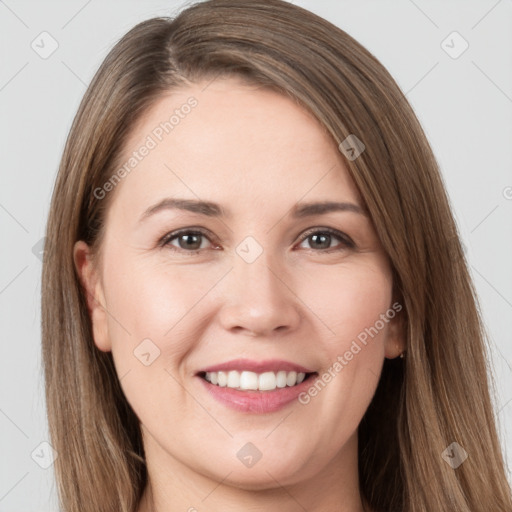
(258, 300)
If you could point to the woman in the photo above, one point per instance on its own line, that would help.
(201, 351)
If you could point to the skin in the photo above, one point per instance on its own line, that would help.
(257, 154)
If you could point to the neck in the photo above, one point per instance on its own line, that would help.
(173, 485)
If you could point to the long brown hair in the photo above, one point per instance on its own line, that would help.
(438, 395)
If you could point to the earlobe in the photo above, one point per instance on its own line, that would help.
(93, 291)
(395, 344)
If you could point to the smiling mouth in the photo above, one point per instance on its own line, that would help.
(252, 381)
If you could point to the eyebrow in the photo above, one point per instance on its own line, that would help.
(210, 209)
(309, 209)
(205, 208)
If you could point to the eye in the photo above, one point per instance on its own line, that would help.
(188, 240)
(321, 239)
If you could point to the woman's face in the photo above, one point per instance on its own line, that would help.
(265, 280)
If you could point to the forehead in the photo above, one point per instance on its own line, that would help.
(232, 142)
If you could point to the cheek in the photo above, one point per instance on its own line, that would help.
(351, 302)
(349, 299)
(156, 301)
(155, 320)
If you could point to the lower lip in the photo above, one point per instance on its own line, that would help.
(257, 401)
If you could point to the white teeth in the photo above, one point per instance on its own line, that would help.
(245, 380)
(222, 378)
(281, 379)
(267, 381)
(291, 378)
(248, 380)
(233, 380)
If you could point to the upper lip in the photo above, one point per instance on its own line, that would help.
(268, 365)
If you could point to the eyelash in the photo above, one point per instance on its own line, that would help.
(346, 242)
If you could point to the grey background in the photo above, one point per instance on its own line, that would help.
(463, 103)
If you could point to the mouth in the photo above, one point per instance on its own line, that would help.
(256, 393)
(246, 381)
(256, 386)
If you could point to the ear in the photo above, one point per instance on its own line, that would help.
(93, 289)
(395, 343)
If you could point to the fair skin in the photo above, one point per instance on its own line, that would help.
(257, 154)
